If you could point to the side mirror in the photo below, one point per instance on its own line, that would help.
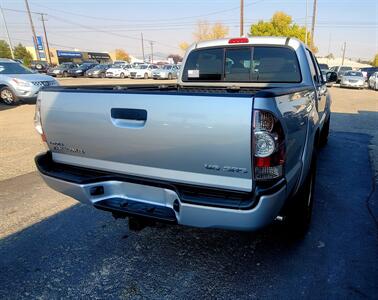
(331, 76)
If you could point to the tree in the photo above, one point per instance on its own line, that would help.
(374, 63)
(176, 58)
(330, 56)
(20, 52)
(5, 50)
(183, 46)
(121, 54)
(281, 24)
(206, 32)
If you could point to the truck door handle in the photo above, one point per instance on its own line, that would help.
(129, 114)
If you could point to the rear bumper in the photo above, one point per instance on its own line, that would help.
(162, 201)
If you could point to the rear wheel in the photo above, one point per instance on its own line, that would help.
(145, 76)
(7, 96)
(169, 76)
(102, 75)
(65, 74)
(299, 215)
(122, 75)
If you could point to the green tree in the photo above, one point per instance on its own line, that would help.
(5, 50)
(375, 61)
(20, 52)
(281, 24)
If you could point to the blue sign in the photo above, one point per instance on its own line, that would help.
(69, 54)
(39, 43)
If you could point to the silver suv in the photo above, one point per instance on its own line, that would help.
(20, 83)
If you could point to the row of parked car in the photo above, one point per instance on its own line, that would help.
(347, 77)
(119, 69)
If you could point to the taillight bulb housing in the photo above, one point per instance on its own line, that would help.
(268, 142)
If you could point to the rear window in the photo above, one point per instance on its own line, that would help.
(243, 64)
(345, 68)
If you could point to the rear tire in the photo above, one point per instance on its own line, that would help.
(145, 76)
(102, 75)
(299, 215)
(7, 96)
(325, 133)
(122, 75)
(169, 76)
(65, 74)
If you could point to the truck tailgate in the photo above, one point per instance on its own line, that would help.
(193, 139)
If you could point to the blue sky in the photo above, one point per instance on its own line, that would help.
(103, 25)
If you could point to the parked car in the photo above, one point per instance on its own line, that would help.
(199, 153)
(98, 71)
(323, 67)
(340, 70)
(40, 66)
(62, 69)
(367, 72)
(142, 71)
(119, 71)
(353, 79)
(373, 81)
(120, 62)
(165, 72)
(18, 83)
(80, 70)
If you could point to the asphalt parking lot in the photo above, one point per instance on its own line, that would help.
(51, 247)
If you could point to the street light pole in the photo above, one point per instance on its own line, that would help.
(8, 36)
(241, 17)
(141, 34)
(33, 30)
(313, 22)
(46, 40)
(306, 21)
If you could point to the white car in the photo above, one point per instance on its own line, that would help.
(353, 79)
(373, 81)
(121, 71)
(143, 71)
(166, 72)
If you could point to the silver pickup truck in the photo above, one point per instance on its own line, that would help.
(232, 145)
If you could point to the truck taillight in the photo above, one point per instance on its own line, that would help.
(268, 142)
(37, 119)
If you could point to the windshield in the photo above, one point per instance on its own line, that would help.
(243, 64)
(323, 66)
(142, 67)
(13, 68)
(354, 74)
(85, 66)
(167, 67)
(100, 67)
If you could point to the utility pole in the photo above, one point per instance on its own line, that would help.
(313, 22)
(152, 51)
(306, 21)
(141, 34)
(241, 17)
(6, 29)
(46, 40)
(33, 30)
(344, 47)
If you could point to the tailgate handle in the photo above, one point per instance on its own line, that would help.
(129, 114)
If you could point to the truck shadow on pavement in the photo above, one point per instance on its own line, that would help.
(82, 252)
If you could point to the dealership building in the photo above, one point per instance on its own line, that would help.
(60, 56)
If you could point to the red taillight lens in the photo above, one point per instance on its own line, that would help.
(268, 146)
(238, 41)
